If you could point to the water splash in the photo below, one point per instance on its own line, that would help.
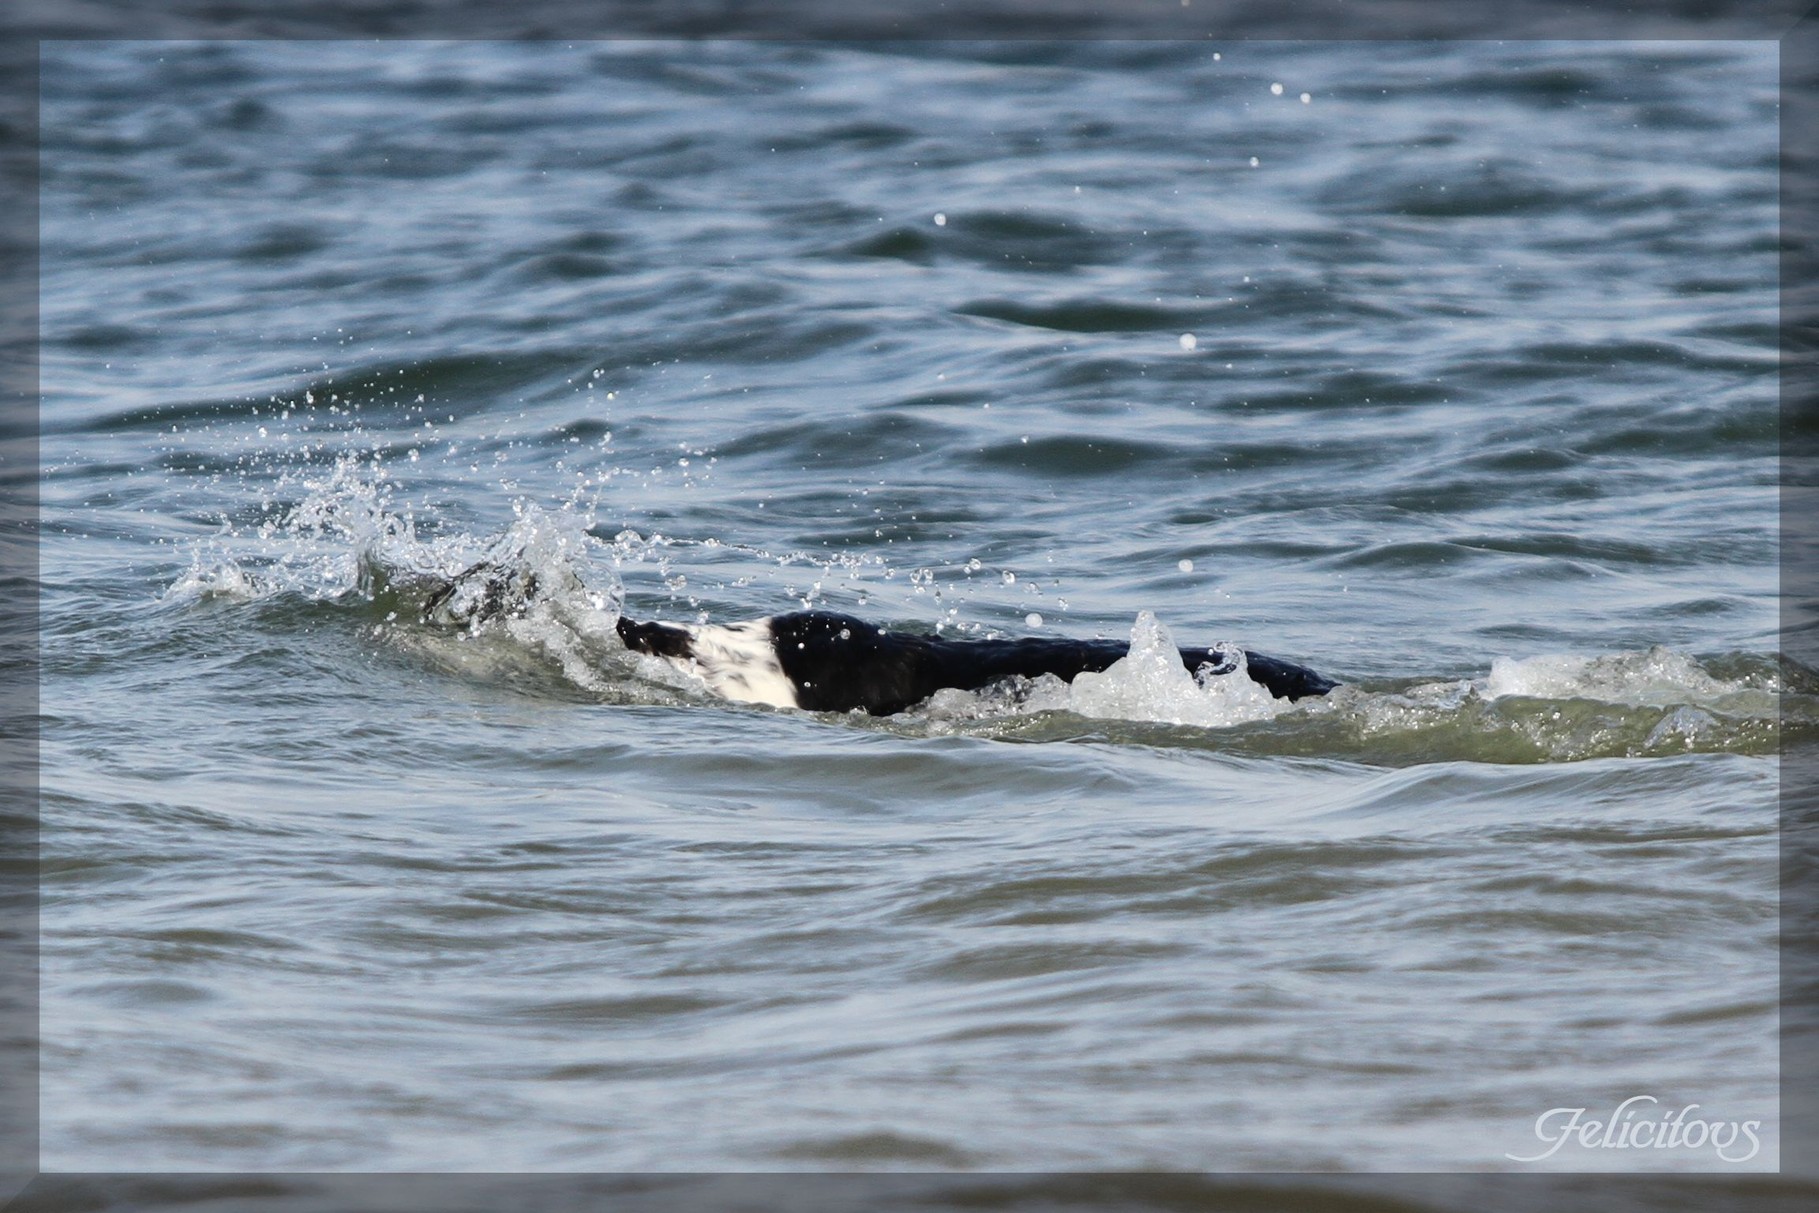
(345, 541)
(213, 575)
(1149, 685)
(536, 588)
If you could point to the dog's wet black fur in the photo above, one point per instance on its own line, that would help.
(837, 662)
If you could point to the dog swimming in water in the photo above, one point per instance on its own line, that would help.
(823, 661)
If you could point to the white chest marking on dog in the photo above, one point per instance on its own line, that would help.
(738, 662)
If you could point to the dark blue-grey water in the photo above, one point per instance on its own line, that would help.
(1448, 369)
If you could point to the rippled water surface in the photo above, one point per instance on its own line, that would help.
(1447, 369)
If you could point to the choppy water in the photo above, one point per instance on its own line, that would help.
(1448, 369)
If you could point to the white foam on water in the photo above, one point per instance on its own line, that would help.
(1566, 707)
(1656, 677)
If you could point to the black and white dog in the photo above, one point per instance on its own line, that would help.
(822, 661)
